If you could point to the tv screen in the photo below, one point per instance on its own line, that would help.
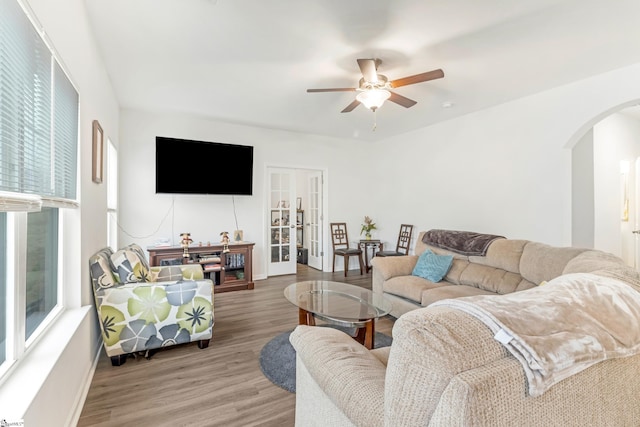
(184, 166)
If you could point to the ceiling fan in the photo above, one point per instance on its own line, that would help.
(373, 88)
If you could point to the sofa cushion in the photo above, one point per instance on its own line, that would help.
(504, 254)
(490, 278)
(590, 261)
(454, 273)
(431, 266)
(410, 287)
(451, 291)
(543, 262)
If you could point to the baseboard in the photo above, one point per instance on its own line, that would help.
(81, 396)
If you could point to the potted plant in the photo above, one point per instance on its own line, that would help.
(367, 227)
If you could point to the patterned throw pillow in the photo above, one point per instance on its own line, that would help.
(101, 274)
(140, 252)
(432, 267)
(130, 266)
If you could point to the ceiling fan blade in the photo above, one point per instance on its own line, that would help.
(368, 69)
(418, 78)
(333, 89)
(351, 106)
(401, 100)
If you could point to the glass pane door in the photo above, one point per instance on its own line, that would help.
(314, 220)
(282, 222)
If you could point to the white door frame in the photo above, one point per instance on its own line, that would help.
(326, 242)
(316, 254)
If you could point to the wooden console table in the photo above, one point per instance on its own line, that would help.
(231, 271)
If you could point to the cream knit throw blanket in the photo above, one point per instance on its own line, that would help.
(563, 327)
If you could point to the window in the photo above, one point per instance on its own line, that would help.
(3, 286)
(41, 266)
(38, 179)
(112, 195)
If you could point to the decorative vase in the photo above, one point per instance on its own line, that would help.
(367, 235)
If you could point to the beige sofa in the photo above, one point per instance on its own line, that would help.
(445, 368)
(508, 266)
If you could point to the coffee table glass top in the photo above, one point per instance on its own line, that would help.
(337, 300)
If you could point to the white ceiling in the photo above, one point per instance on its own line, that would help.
(251, 61)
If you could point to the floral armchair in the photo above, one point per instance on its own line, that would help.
(143, 308)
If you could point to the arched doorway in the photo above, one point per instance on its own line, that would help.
(604, 201)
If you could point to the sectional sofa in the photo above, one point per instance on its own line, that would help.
(447, 367)
(508, 266)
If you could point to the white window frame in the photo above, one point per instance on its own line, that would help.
(16, 345)
(16, 206)
(112, 195)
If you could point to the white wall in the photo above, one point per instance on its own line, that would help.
(204, 216)
(616, 138)
(504, 170)
(582, 194)
(55, 394)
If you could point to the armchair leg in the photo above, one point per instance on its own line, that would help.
(202, 344)
(346, 265)
(361, 263)
(118, 360)
(334, 263)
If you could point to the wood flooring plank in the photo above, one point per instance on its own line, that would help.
(221, 385)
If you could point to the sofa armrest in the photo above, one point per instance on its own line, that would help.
(389, 267)
(430, 347)
(350, 376)
(384, 268)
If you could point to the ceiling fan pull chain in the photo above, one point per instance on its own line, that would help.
(375, 120)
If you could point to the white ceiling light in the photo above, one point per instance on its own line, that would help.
(373, 98)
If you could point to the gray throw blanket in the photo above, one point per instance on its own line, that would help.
(462, 242)
(563, 327)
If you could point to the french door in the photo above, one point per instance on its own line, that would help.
(314, 219)
(282, 252)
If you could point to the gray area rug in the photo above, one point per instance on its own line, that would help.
(278, 358)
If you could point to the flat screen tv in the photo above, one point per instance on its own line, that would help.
(185, 166)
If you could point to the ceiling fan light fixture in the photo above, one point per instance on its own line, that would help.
(373, 98)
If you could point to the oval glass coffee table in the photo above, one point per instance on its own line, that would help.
(339, 303)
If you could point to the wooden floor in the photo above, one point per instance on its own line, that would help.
(218, 386)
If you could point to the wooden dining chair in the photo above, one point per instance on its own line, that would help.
(404, 239)
(340, 242)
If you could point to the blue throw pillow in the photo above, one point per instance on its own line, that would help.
(432, 267)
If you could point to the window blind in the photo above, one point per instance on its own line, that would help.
(16, 202)
(38, 113)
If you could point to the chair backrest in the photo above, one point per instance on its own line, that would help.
(404, 238)
(339, 236)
